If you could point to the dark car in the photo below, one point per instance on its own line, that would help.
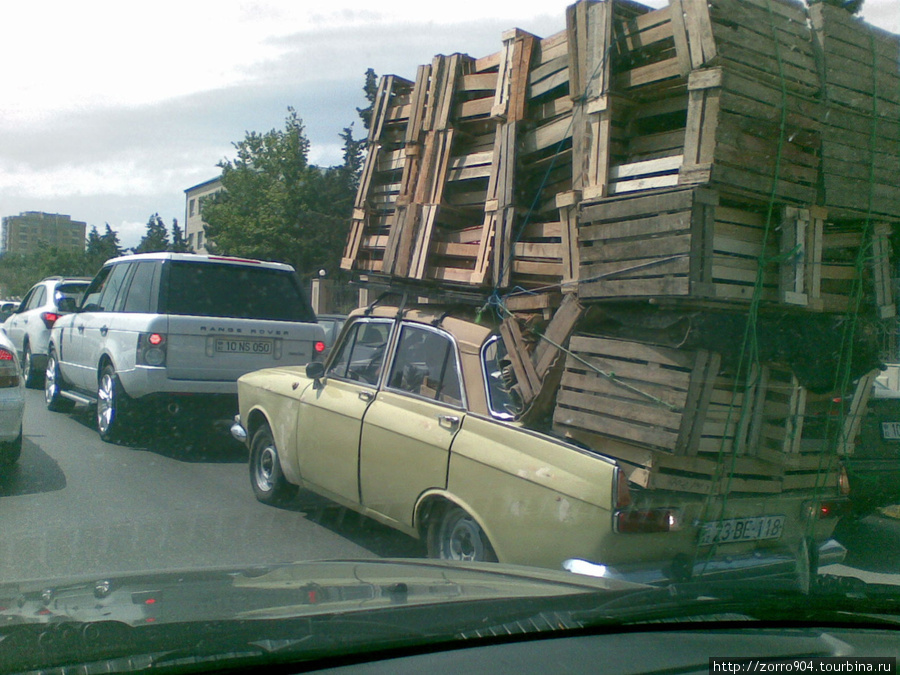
(874, 467)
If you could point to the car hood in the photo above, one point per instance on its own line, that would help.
(281, 591)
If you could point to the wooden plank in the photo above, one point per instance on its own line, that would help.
(527, 380)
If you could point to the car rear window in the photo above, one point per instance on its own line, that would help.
(237, 291)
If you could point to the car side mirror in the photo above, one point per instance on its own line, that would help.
(67, 304)
(315, 370)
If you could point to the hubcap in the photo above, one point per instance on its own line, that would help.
(106, 408)
(265, 468)
(463, 539)
(51, 387)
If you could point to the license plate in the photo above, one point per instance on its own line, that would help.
(229, 346)
(890, 431)
(741, 529)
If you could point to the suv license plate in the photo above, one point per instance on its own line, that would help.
(741, 529)
(890, 431)
(228, 346)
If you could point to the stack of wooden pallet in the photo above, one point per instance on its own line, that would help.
(713, 155)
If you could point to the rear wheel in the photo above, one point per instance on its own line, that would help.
(31, 376)
(266, 477)
(112, 406)
(53, 386)
(455, 535)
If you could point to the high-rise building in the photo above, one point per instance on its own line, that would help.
(31, 231)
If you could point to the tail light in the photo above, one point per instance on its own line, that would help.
(623, 494)
(630, 520)
(49, 318)
(827, 509)
(644, 521)
(319, 346)
(151, 349)
(9, 371)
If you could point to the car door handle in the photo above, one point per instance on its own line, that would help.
(80, 328)
(448, 421)
(366, 396)
(104, 330)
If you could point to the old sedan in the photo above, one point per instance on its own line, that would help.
(410, 422)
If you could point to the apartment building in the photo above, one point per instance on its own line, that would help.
(194, 227)
(31, 231)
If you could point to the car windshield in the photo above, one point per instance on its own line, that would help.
(504, 336)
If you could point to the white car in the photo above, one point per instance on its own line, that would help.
(12, 403)
(28, 327)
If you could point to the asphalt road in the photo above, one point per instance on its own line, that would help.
(78, 506)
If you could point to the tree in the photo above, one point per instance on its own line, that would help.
(179, 243)
(156, 238)
(371, 90)
(100, 248)
(276, 206)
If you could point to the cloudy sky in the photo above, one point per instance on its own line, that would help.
(111, 109)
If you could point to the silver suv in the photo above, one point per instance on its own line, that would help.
(166, 333)
(28, 327)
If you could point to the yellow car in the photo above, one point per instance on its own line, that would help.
(409, 423)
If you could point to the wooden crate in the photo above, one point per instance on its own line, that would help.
(643, 394)
(680, 244)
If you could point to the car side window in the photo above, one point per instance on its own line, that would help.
(92, 294)
(143, 288)
(495, 364)
(426, 365)
(360, 355)
(37, 298)
(112, 287)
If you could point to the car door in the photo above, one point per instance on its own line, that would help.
(330, 415)
(408, 429)
(81, 347)
(17, 325)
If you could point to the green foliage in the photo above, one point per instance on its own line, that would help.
(156, 238)
(100, 248)
(276, 206)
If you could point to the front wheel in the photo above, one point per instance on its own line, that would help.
(53, 386)
(112, 406)
(266, 477)
(455, 535)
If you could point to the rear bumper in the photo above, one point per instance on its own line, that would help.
(776, 564)
(145, 380)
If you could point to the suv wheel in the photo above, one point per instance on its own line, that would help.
(112, 406)
(53, 386)
(31, 376)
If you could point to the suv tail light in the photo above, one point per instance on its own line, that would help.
(319, 347)
(151, 349)
(49, 318)
(9, 371)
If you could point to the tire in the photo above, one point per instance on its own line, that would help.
(454, 535)
(113, 406)
(266, 477)
(53, 386)
(31, 376)
(11, 450)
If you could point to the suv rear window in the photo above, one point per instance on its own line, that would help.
(237, 291)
